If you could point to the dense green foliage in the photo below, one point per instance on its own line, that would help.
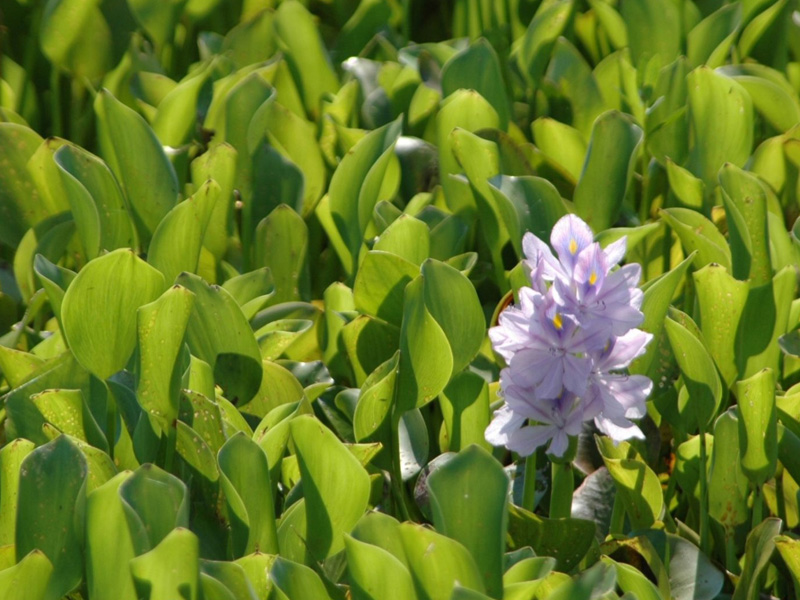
(250, 250)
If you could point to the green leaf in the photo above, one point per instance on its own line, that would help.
(51, 492)
(603, 183)
(426, 358)
(371, 418)
(161, 329)
(170, 570)
(631, 580)
(28, 579)
(11, 456)
(698, 234)
(298, 36)
(758, 551)
(281, 244)
(654, 30)
(566, 540)
(356, 184)
(17, 366)
(109, 543)
(549, 22)
(527, 204)
(178, 239)
(452, 301)
(467, 110)
(110, 289)
(50, 238)
(638, 487)
(155, 503)
(772, 95)
(380, 284)
(96, 201)
(720, 122)
(561, 143)
(245, 482)
(68, 412)
(376, 574)
(746, 210)
(657, 300)
(573, 78)
(219, 164)
(20, 204)
(710, 40)
(478, 68)
(596, 581)
(295, 139)
(727, 487)
(437, 563)
(219, 334)
(689, 189)
(699, 376)
(469, 504)
(789, 549)
(722, 300)
(297, 582)
(758, 422)
(406, 237)
(465, 408)
(335, 486)
(137, 159)
(766, 317)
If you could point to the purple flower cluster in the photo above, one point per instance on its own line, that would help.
(567, 344)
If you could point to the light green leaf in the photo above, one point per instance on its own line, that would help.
(109, 543)
(380, 283)
(335, 486)
(376, 574)
(758, 551)
(281, 244)
(95, 199)
(28, 579)
(437, 562)
(699, 376)
(549, 22)
(638, 487)
(297, 582)
(219, 334)
(356, 184)
(478, 68)
(469, 504)
(161, 328)
(137, 159)
(758, 422)
(298, 36)
(698, 234)
(720, 122)
(426, 358)
(178, 239)
(11, 456)
(603, 183)
(170, 569)
(721, 299)
(245, 482)
(21, 206)
(110, 289)
(727, 487)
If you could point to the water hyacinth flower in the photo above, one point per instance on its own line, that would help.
(567, 344)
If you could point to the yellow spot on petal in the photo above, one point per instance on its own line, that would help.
(593, 278)
(557, 322)
(573, 246)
